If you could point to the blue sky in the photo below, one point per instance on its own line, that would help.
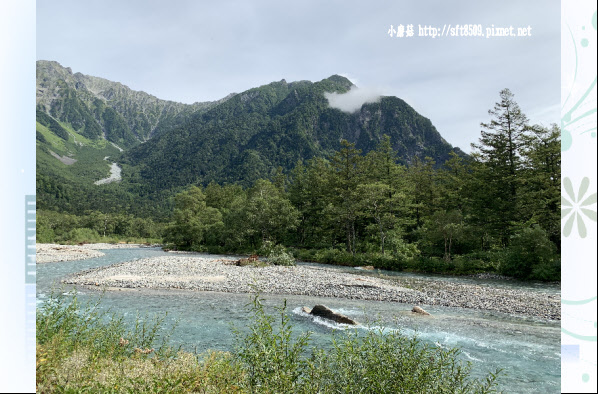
(191, 51)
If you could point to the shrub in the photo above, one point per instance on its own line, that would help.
(381, 361)
(305, 254)
(45, 235)
(379, 260)
(468, 265)
(547, 271)
(279, 256)
(87, 324)
(86, 235)
(430, 264)
(83, 349)
(335, 256)
(531, 251)
(390, 362)
(271, 360)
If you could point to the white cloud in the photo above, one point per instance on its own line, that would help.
(353, 99)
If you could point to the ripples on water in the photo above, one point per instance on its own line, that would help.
(527, 349)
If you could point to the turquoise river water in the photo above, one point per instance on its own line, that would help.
(527, 349)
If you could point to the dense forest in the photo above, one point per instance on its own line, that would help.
(253, 133)
(497, 210)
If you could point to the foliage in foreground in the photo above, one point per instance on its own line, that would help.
(80, 348)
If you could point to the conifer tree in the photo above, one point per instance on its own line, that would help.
(499, 162)
(345, 176)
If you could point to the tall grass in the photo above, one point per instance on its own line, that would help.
(81, 348)
(377, 361)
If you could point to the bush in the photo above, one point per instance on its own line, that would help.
(380, 361)
(547, 272)
(80, 325)
(390, 362)
(379, 260)
(402, 249)
(83, 349)
(45, 235)
(434, 265)
(531, 251)
(279, 256)
(469, 265)
(86, 235)
(271, 360)
(305, 254)
(335, 256)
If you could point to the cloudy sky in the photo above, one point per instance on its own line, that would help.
(188, 51)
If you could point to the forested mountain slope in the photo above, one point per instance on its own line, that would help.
(276, 125)
(99, 108)
(85, 123)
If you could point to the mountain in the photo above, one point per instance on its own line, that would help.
(85, 123)
(81, 122)
(253, 133)
(98, 108)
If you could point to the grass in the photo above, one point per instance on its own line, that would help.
(81, 348)
(90, 165)
(57, 143)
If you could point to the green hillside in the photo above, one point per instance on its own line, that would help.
(102, 109)
(253, 133)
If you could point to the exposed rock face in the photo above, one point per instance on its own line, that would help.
(417, 309)
(112, 110)
(327, 313)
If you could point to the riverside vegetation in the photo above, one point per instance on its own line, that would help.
(83, 348)
(265, 166)
(496, 211)
(263, 172)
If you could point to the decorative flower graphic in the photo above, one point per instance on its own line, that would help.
(576, 208)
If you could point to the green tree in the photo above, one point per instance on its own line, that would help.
(381, 165)
(444, 227)
(309, 192)
(345, 176)
(268, 213)
(192, 219)
(541, 191)
(531, 255)
(222, 197)
(381, 207)
(498, 155)
(422, 185)
(101, 222)
(453, 180)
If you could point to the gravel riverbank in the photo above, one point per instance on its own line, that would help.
(208, 274)
(51, 253)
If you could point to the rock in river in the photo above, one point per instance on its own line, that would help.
(417, 309)
(327, 313)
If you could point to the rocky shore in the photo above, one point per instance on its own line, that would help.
(208, 274)
(513, 301)
(51, 253)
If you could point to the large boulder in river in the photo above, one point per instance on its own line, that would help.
(327, 313)
(418, 310)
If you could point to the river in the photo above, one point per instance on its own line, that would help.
(527, 349)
